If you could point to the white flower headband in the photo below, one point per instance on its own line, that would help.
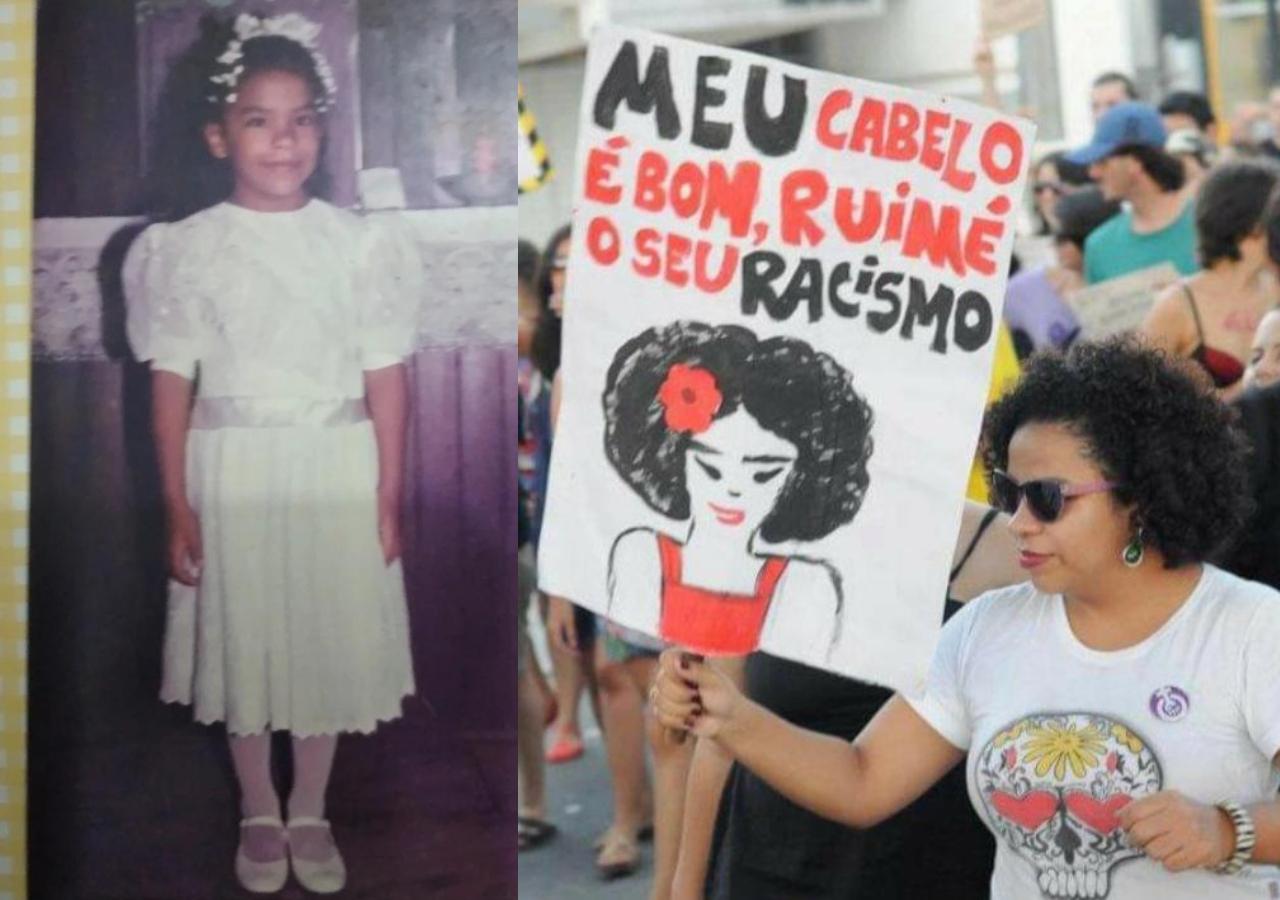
(294, 26)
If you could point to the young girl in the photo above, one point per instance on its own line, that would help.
(282, 480)
(744, 440)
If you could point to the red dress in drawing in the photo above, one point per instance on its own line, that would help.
(713, 621)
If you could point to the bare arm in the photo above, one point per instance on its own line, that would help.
(707, 777)
(1166, 325)
(1266, 819)
(984, 64)
(387, 394)
(895, 759)
(170, 419)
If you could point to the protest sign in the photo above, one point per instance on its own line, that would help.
(780, 312)
(1119, 304)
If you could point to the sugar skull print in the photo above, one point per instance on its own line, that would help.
(1051, 785)
(739, 442)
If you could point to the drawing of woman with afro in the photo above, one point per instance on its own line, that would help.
(740, 442)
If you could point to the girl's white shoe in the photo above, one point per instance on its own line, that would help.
(261, 877)
(320, 876)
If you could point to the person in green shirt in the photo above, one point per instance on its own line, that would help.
(1127, 159)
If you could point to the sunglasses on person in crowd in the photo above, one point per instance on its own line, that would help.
(559, 263)
(1045, 497)
(1054, 186)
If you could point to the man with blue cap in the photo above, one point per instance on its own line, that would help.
(1127, 159)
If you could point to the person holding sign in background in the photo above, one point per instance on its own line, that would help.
(1211, 316)
(1120, 713)
(1035, 308)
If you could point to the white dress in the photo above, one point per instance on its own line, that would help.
(296, 623)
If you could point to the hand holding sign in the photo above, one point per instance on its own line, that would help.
(691, 697)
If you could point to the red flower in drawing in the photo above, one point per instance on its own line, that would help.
(690, 397)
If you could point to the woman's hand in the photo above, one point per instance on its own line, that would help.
(389, 524)
(186, 553)
(561, 625)
(689, 695)
(1177, 832)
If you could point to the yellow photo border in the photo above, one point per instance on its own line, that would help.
(17, 78)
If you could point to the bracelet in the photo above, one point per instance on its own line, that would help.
(1246, 837)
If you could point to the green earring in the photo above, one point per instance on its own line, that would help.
(1133, 551)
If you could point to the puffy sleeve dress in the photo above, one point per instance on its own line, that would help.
(297, 623)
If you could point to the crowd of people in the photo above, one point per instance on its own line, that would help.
(1129, 541)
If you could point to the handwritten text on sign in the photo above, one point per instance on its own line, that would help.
(725, 242)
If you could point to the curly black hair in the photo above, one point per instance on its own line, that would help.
(792, 390)
(1230, 206)
(1170, 444)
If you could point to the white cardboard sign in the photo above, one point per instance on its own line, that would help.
(780, 315)
(1119, 304)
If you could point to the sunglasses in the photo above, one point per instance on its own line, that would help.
(1047, 186)
(1045, 497)
(559, 263)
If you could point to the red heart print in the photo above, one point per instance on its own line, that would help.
(1030, 811)
(1098, 815)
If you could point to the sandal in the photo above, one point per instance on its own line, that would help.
(644, 835)
(531, 832)
(565, 749)
(619, 857)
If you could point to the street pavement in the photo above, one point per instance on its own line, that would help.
(580, 804)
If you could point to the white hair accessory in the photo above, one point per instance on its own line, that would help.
(292, 26)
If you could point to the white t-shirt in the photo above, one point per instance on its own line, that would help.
(1060, 736)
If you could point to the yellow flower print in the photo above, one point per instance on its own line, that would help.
(1127, 737)
(1057, 746)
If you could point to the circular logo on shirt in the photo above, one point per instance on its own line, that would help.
(1170, 703)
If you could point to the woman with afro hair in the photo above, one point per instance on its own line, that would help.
(743, 442)
(1119, 713)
